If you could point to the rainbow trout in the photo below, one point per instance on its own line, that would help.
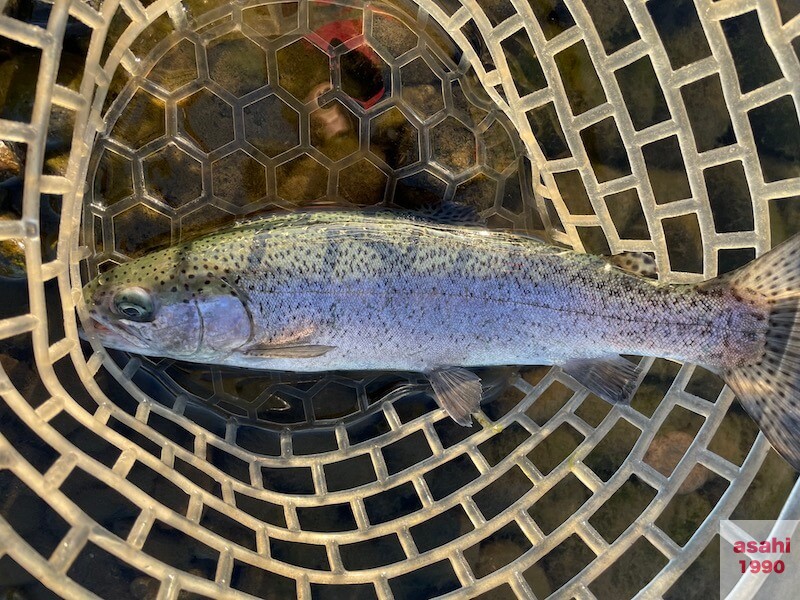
(323, 291)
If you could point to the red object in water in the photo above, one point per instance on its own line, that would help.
(343, 31)
(350, 33)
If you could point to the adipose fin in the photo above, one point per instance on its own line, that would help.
(636, 263)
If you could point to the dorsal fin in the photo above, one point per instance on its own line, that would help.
(448, 213)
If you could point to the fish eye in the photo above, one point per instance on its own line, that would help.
(134, 304)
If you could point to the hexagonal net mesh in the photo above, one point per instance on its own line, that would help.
(668, 127)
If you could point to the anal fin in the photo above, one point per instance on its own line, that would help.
(458, 391)
(611, 378)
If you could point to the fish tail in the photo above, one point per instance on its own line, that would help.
(769, 386)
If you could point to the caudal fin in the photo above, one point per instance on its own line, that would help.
(769, 387)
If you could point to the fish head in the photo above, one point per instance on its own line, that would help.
(168, 304)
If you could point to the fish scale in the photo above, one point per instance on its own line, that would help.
(384, 291)
(550, 307)
(400, 280)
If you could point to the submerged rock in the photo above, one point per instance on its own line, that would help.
(11, 161)
(665, 453)
(12, 255)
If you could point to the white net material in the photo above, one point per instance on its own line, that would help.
(669, 127)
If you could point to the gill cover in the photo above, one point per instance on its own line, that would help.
(225, 325)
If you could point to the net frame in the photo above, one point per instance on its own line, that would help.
(87, 104)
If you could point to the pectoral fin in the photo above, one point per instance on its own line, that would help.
(613, 379)
(302, 351)
(458, 391)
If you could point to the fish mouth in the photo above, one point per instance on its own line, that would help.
(99, 327)
(109, 335)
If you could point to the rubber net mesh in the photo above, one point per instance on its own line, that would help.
(669, 127)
